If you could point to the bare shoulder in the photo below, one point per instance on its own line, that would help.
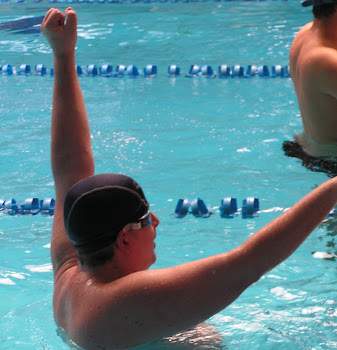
(298, 48)
(305, 27)
(321, 64)
(313, 55)
(305, 30)
(317, 61)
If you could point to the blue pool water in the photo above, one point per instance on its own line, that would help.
(179, 138)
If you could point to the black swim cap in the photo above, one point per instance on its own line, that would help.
(97, 208)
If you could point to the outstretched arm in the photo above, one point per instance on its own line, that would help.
(71, 154)
(161, 302)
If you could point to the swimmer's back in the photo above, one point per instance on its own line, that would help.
(313, 67)
(80, 309)
(84, 307)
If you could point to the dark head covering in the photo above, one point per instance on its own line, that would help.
(97, 208)
(307, 3)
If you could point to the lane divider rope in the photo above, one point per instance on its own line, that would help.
(228, 207)
(151, 71)
(31, 206)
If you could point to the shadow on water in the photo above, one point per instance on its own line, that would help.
(315, 164)
(23, 26)
(331, 235)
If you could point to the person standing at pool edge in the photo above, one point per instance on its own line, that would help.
(313, 69)
(103, 235)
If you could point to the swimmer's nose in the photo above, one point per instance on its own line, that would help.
(155, 220)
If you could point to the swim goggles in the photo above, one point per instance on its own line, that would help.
(144, 221)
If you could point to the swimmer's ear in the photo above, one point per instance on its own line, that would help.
(122, 241)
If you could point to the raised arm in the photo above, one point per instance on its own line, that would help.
(71, 154)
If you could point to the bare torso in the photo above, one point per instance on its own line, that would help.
(313, 66)
(80, 313)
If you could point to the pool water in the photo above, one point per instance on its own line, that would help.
(179, 138)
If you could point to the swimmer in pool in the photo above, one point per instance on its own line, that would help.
(313, 69)
(103, 238)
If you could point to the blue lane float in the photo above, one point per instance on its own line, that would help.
(193, 72)
(132, 71)
(197, 206)
(106, 70)
(151, 71)
(224, 71)
(31, 206)
(8, 70)
(173, 70)
(11, 206)
(40, 69)
(24, 69)
(250, 207)
(238, 71)
(92, 70)
(182, 208)
(79, 71)
(207, 71)
(251, 71)
(119, 71)
(200, 209)
(228, 207)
